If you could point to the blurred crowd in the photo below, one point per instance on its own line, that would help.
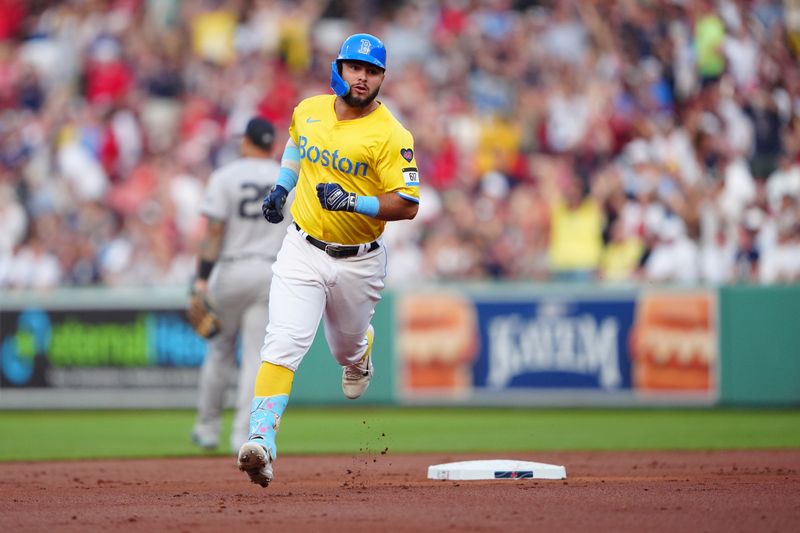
(616, 141)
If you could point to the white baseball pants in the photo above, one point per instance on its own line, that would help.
(307, 285)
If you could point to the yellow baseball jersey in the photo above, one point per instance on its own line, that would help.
(369, 156)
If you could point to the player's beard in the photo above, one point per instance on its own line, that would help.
(361, 102)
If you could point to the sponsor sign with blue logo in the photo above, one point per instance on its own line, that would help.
(554, 344)
(47, 348)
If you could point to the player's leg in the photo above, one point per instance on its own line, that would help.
(215, 374)
(225, 292)
(252, 335)
(297, 298)
(349, 309)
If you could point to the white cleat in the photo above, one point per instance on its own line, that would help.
(356, 378)
(257, 462)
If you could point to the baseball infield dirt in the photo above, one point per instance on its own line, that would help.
(605, 491)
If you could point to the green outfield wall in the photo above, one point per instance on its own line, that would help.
(760, 343)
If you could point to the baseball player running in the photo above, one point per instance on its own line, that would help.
(237, 253)
(353, 165)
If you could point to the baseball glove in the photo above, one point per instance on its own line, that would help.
(202, 317)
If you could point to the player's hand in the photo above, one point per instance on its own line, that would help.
(273, 204)
(201, 314)
(333, 198)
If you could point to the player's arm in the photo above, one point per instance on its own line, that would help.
(391, 206)
(200, 314)
(210, 248)
(398, 170)
(394, 206)
(272, 207)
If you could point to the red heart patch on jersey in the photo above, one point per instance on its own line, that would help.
(407, 153)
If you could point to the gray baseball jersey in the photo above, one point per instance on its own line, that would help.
(234, 194)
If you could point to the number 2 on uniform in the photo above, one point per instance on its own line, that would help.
(252, 197)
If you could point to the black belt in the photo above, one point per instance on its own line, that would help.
(338, 251)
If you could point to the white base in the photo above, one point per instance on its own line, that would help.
(496, 469)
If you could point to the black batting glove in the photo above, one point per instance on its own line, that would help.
(273, 204)
(333, 198)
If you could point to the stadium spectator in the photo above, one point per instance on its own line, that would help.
(621, 256)
(674, 257)
(34, 266)
(576, 226)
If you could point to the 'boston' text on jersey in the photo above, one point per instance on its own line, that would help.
(326, 158)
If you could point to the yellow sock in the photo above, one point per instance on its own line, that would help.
(272, 380)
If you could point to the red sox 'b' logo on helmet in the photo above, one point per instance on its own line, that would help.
(366, 46)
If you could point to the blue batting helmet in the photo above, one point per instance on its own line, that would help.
(358, 47)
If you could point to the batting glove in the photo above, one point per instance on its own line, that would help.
(334, 198)
(273, 204)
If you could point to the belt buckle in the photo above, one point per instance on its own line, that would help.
(333, 250)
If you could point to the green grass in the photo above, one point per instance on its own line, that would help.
(86, 434)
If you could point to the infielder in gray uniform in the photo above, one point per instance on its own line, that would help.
(235, 270)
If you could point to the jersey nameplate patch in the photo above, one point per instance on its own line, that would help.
(411, 176)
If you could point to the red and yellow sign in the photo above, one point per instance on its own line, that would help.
(673, 342)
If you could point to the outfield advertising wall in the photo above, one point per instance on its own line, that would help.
(498, 344)
(558, 346)
(128, 348)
